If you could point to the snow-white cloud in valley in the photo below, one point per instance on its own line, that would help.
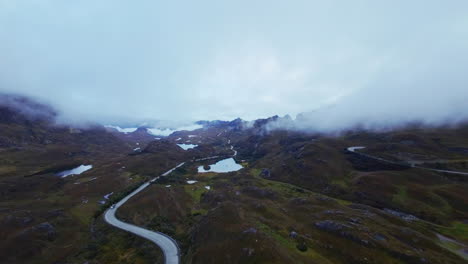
(343, 62)
(125, 130)
(168, 131)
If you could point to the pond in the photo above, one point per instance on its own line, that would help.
(78, 170)
(187, 146)
(222, 166)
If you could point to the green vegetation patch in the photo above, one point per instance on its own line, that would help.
(120, 247)
(284, 241)
(458, 230)
(454, 247)
(197, 212)
(343, 202)
(255, 172)
(195, 191)
(401, 196)
(340, 182)
(85, 211)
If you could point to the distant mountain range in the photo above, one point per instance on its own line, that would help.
(300, 197)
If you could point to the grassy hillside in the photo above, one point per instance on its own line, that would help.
(300, 198)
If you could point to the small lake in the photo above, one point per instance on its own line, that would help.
(222, 166)
(78, 170)
(187, 146)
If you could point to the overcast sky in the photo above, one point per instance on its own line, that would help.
(108, 60)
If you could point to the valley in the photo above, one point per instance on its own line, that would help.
(233, 132)
(237, 192)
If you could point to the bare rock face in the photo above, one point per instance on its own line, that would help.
(248, 251)
(43, 230)
(331, 226)
(250, 231)
(265, 173)
(293, 234)
(47, 229)
(342, 230)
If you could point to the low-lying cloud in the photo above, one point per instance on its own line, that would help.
(375, 64)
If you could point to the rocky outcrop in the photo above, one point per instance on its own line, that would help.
(265, 173)
(342, 230)
(43, 230)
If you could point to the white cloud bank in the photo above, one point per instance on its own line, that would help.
(369, 62)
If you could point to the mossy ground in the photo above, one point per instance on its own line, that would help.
(250, 202)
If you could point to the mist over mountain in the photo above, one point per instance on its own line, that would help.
(366, 63)
(15, 105)
(250, 132)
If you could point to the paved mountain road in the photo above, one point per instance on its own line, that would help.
(353, 149)
(168, 245)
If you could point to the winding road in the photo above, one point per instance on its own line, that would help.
(355, 148)
(168, 245)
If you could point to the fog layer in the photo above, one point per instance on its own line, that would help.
(374, 63)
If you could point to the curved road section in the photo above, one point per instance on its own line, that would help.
(353, 150)
(166, 243)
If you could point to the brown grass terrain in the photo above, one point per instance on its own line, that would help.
(301, 198)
